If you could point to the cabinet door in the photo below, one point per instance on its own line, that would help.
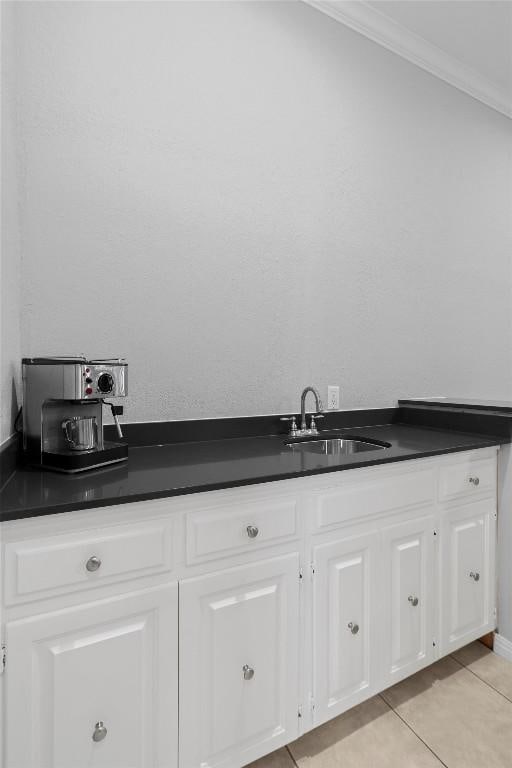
(408, 582)
(345, 623)
(239, 672)
(467, 583)
(108, 665)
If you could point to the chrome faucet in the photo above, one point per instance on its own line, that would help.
(319, 408)
(294, 432)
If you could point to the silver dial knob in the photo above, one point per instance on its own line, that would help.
(105, 383)
(99, 732)
(248, 672)
(474, 575)
(474, 480)
(354, 628)
(413, 600)
(93, 563)
(252, 531)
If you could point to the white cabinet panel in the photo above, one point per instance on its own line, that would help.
(466, 477)
(239, 673)
(373, 494)
(408, 585)
(53, 565)
(467, 585)
(345, 623)
(218, 532)
(113, 662)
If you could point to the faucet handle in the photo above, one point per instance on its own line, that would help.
(293, 425)
(314, 417)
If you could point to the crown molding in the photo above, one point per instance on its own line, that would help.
(382, 29)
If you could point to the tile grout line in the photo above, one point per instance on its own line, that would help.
(462, 666)
(485, 682)
(291, 756)
(413, 731)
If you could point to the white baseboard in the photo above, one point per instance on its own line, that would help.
(503, 647)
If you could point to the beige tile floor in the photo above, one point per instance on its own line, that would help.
(456, 713)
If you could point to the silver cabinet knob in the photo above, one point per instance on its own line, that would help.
(252, 531)
(93, 563)
(248, 672)
(474, 575)
(99, 732)
(474, 480)
(413, 600)
(354, 628)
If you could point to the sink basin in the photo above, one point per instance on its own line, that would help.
(335, 446)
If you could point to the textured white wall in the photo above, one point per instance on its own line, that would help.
(244, 198)
(10, 254)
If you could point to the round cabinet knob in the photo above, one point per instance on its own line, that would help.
(93, 563)
(252, 531)
(474, 575)
(474, 480)
(99, 732)
(354, 628)
(413, 600)
(248, 672)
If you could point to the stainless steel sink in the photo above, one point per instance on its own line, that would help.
(335, 446)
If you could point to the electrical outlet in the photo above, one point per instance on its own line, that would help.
(333, 398)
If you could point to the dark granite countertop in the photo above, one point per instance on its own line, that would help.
(159, 471)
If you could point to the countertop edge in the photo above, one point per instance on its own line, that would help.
(224, 485)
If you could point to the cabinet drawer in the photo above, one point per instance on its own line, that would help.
(238, 527)
(467, 478)
(68, 562)
(374, 495)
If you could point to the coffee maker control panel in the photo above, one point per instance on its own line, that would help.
(100, 380)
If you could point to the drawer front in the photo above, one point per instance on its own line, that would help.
(238, 527)
(373, 496)
(467, 478)
(68, 562)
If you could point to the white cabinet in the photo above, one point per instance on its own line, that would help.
(344, 623)
(372, 613)
(95, 686)
(276, 607)
(408, 596)
(239, 674)
(467, 581)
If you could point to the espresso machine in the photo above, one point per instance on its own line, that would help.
(63, 401)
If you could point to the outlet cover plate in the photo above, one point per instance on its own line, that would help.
(333, 398)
